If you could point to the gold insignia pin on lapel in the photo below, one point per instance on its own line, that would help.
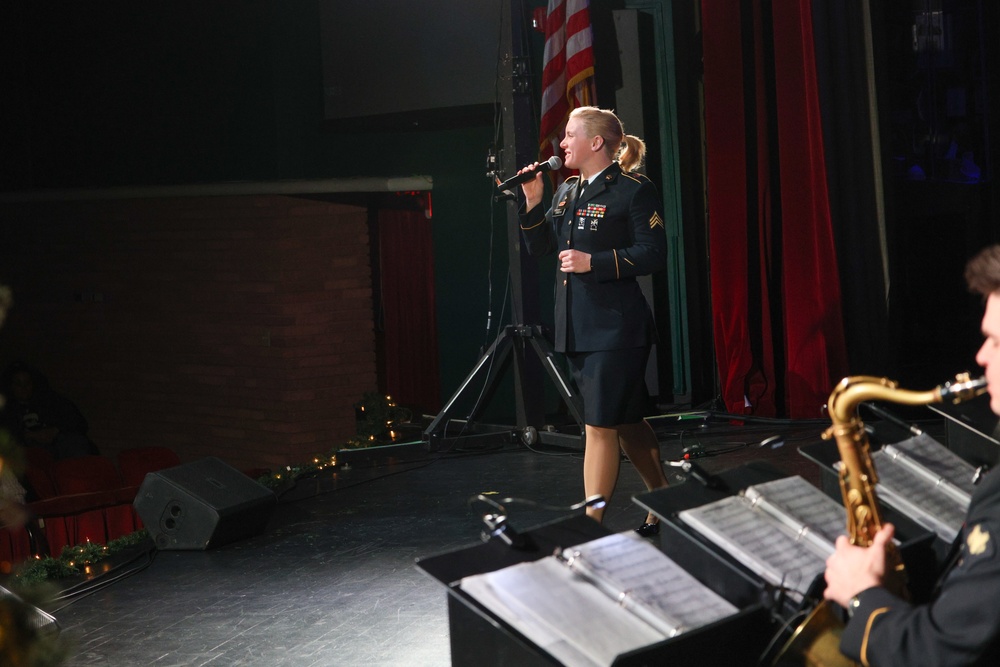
(977, 540)
(655, 221)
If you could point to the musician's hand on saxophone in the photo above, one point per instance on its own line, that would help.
(853, 569)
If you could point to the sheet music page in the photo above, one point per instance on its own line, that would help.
(669, 596)
(759, 541)
(924, 452)
(598, 600)
(561, 612)
(807, 508)
(929, 477)
(916, 496)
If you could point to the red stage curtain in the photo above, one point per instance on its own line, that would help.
(407, 308)
(726, 132)
(815, 353)
(775, 286)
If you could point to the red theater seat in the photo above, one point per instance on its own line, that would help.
(103, 512)
(137, 462)
(38, 477)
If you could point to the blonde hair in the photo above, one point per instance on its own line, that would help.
(627, 150)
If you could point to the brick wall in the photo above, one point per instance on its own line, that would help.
(230, 326)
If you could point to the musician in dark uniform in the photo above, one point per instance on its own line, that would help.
(961, 624)
(607, 228)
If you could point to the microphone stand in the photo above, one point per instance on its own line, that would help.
(523, 343)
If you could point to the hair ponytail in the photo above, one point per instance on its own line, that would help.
(632, 153)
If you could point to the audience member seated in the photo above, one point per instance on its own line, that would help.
(37, 416)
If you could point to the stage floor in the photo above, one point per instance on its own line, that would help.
(332, 579)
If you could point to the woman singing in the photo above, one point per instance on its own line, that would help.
(607, 227)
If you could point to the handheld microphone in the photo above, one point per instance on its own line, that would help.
(551, 164)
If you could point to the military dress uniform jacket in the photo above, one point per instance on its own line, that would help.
(961, 626)
(618, 221)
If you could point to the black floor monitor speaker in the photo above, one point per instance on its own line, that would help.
(202, 504)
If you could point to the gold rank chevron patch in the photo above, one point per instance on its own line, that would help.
(977, 540)
(655, 221)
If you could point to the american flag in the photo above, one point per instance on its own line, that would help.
(568, 75)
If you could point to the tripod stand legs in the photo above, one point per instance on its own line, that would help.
(487, 372)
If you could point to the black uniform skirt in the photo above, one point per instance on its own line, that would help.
(612, 384)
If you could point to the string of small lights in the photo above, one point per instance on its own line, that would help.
(379, 420)
(87, 559)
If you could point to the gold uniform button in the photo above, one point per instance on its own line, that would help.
(567, 242)
(564, 281)
(852, 606)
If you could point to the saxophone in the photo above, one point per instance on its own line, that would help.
(817, 639)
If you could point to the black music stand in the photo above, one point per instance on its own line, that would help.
(971, 430)
(479, 638)
(826, 455)
(689, 548)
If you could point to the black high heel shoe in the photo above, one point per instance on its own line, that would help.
(648, 529)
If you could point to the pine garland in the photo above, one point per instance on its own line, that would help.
(378, 417)
(276, 481)
(74, 560)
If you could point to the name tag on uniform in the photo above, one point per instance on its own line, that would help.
(560, 208)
